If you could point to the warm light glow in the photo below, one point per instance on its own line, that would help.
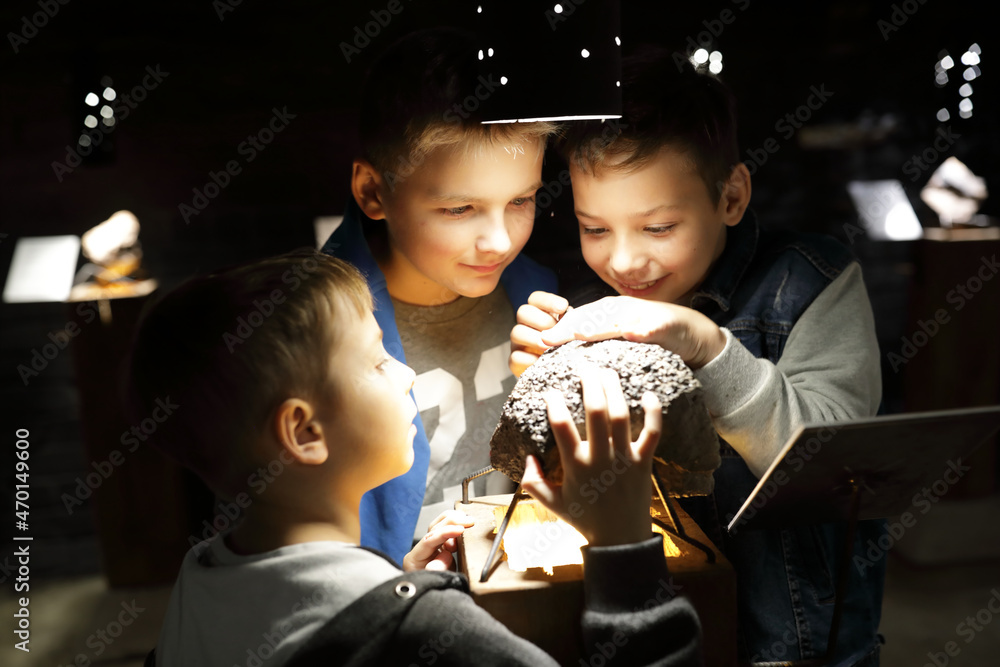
(558, 9)
(109, 94)
(715, 67)
(106, 111)
(970, 58)
(947, 62)
(92, 99)
(585, 53)
(700, 56)
(90, 121)
(535, 537)
(965, 90)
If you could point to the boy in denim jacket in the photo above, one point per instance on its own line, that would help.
(777, 327)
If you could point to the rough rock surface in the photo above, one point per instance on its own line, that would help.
(688, 452)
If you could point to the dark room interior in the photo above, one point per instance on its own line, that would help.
(829, 94)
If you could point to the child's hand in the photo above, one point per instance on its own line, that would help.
(685, 331)
(605, 512)
(435, 549)
(541, 312)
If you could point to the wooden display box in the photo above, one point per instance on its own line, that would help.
(545, 609)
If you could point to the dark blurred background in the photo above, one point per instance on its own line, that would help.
(224, 68)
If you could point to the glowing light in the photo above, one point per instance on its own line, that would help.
(92, 99)
(965, 114)
(109, 94)
(970, 58)
(503, 81)
(965, 90)
(901, 223)
(715, 67)
(618, 40)
(557, 9)
(943, 115)
(700, 56)
(109, 121)
(941, 78)
(585, 53)
(84, 140)
(490, 52)
(618, 84)
(90, 121)
(480, 54)
(970, 73)
(947, 62)
(479, 9)
(106, 111)
(965, 105)
(715, 56)
(975, 49)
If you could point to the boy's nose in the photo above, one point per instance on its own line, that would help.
(626, 258)
(494, 237)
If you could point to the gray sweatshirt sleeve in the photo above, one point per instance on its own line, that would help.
(828, 371)
(630, 618)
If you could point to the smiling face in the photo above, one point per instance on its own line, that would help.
(651, 233)
(459, 219)
(370, 419)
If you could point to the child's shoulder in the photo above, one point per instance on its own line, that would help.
(804, 251)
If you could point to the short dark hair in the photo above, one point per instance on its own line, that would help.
(421, 93)
(226, 349)
(666, 102)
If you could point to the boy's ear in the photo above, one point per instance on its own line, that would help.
(300, 433)
(368, 187)
(735, 195)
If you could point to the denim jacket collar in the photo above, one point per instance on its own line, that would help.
(725, 276)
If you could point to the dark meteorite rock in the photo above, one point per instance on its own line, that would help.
(688, 452)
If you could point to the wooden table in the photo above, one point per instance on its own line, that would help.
(545, 609)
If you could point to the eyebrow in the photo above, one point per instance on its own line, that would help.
(478, 200)
(639, 214)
